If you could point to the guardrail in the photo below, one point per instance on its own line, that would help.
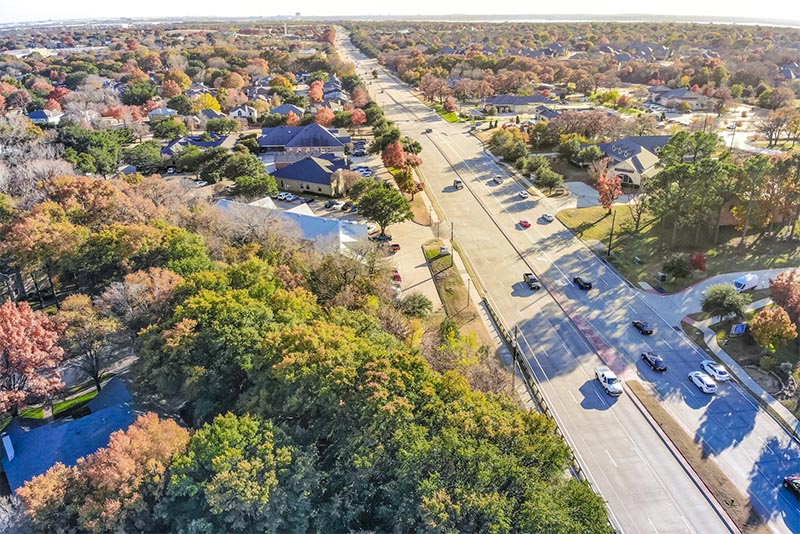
(530, 380)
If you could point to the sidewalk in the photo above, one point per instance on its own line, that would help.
(778, 410)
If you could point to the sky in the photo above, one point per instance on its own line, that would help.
(39, 10)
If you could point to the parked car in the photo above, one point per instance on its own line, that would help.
(497, 179)
(329, 203)
(281, 196)
(792, 483)
(381, 237)
(715, 370)
(394, 247)
(582, 283)
(703, 382)
(396, 276)
(655, 361)
(524, 194)
(170, 170)
(524, 223)
(347, 205)
(337, 205)
(531, 281)
(608, 380)
(428, 130)
(371, 228)
(290, 197)
(549, 217)
(644, 327)
(200, 183)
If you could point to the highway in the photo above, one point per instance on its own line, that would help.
(562, 330)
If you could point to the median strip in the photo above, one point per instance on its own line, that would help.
(732, 501)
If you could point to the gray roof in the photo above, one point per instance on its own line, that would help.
(514, 100)
(174, 146)
(284, 109)
(631, 147)
(316, 170)
(312, 135)
(211, 114)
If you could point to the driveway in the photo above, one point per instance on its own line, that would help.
(582, 195)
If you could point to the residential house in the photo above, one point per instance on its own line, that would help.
(204, 141)
(284, 109)
(544, 113)
(648, 51)
(673, 98)
(517, 104)
(634, 159)
(45, 116)
(322, 233)
(243, 112)
(198, 89)
(260, 91)
(30, 451)
(161, 113)
(207, 114)
(310, 140)
(320, 175)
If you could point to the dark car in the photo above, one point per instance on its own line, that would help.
(531, 280)
(582, 283)
(655, 361)
(381, 238)
(644, 327)
(792, 483)
(329, 203)
(347, 206)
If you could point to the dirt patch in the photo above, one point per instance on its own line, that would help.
(735, 503)
(769, 382)
(422, 215)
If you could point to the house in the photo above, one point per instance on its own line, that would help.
(322, 233)
(544, 113)
(517, 104)
(673, 98)
(45, 116)
(309, 140)
(161, 113)
(198, 89)
(31, 451)
(634, 159)
(284, 109)
(320, 175)
(207, 114)
(204, 141)
(243, 112)
(648, 51)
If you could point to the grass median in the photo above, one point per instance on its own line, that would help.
(734, 502)
(448, 282)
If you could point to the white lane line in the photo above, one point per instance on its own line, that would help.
(665, 341)
(693, 393)
(652, 525)
(573, 398)
(611, 458)
(647, 344)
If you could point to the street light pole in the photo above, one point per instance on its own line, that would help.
(733, 135)
(514, 362)
(469, 281)
(611, 236)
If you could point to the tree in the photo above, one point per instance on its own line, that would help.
(168, 129)
(394, 155)
(773, 328)
(112, 490)
(232, 80)
(222, 126)
(146, 157)
(315, 92)
(358, 117)
(179, 77)
(547, 177)
(138, 93)
(724, 302)
(255, 186)
(88, 336)
(751, 181)
(450, 104)
(142, 298)
(384, 206)
(361, 186)
(785, 292)
(181, 104)
(29, 356)
(205, 101)
(698, 261)
(588, 155)
(360, 97)
(212, 164)
(678, 266)
(416, 305)
(170, 89)
(244, 164)
(324, 116)
(609, 188)
(292, 119)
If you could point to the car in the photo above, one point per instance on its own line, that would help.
(792, 483)
(302, 200)
(655, 361)
(290, 197)
(549, 217)
(715, 370)
(731, 127)
(524, 194)
(311, 200)
(359, 153)
(281, 196)
(354, 209)
(200, 183)
(497, 179)
(170, 170)
(608, 380)
(337, 205)
(532, 281)
(394, 247)
(366, 173)
(703, 382)
(428, 130)
(582, 283)
(347, 206)
(371, 228)
(329, 203)
(644, 327)
(524, 223)
(396, 276)
(381, 237)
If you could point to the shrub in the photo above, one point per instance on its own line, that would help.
(768, 363)
(698, 261)
(678, 266)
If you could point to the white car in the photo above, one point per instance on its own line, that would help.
(608, 380)
(290, 197)
(549, 217)
(524, 194)
(715, 370)
(201, 183)
(281, 196)
(371, 228)
(338, 205)
(497, 179)
(703, 382)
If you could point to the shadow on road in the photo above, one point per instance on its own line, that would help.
(595, 397)
(767, 494)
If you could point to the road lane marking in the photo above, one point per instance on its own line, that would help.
(694, 394)
(611, 458)
(665, 341)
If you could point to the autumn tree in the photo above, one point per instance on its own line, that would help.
(205, 101)
(315, 92)
(142, 298)
(360, 97)
(292, 119)
(358, 117)
(170, 89)
(773, 328)
(324, 116)
(609, 188)
(394, 155)
(785, 292)
(88, 336)
(30, 356)
(112, 490)
(179, 77)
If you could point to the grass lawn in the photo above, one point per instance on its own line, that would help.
(75, 401)
(651, 246)
(449, 283)
(449, 116)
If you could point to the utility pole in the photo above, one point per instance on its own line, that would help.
(733, 135)
(514, 362)
(611, 236)
(469, 281)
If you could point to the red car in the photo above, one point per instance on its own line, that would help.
(396, 276)
(524, 223)
(394, 247)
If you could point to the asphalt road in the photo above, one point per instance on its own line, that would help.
(646, 487)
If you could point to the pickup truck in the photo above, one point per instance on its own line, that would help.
(458, 184)
(608, 380)
(531, 281)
